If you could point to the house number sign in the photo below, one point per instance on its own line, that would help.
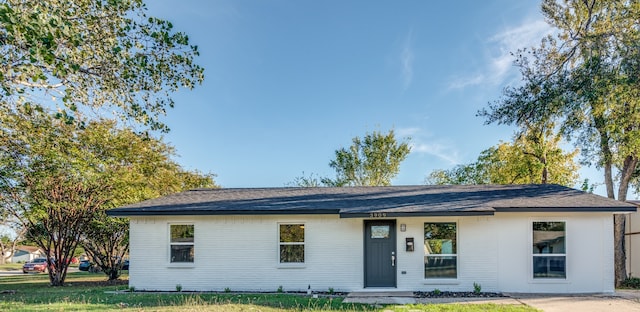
(378, 215)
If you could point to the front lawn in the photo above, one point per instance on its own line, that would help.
(11, 266)
(89, 292)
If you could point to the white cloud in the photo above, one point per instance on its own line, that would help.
(445, 152)
(498, 58)
(406, 60)
(407, 132)
(462, 82)
(524, 36)
(436, 147)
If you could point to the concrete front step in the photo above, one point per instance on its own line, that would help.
(381, 294)
(381, 297)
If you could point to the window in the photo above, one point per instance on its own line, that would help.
(181, 243)
(549, 254)
(291, 243)
(441, 255)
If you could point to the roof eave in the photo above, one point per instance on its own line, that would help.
(414, 214)
(567, 209)
(134, 213)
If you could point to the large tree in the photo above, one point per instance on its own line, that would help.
(61, 176)
(51, 183)
(370, 161)
(533, 157)
(87, 59)
(586, 79)
(137, 167)
(93, 55)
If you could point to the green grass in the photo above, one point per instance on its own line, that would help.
(11, 266)
(87, 292)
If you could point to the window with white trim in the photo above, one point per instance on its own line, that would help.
(181, 243)
(548, 250)
(440, 250)
(291, 243)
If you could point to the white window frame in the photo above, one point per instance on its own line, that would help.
(303, 243)
(443, 280)
(532, 255)
(181, 264)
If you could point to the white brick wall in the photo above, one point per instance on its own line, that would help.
(241, 253)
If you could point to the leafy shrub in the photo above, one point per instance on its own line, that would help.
(477, 288)
(631, 282)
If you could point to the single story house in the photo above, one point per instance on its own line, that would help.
(506, 238)
(632, 242)
(26, 254)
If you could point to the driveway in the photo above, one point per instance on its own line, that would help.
(622, 300)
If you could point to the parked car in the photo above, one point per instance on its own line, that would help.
(35, 265)
(84, 265)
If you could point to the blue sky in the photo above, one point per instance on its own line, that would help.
(289, 82)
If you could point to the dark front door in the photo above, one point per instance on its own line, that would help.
(380, 253)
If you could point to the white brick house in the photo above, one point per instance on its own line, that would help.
(519, 238)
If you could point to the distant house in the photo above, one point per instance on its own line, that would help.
(26, 254)
(632, 242)
(507, 238)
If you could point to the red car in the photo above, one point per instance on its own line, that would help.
(36, 265)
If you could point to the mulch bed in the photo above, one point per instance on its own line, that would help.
(455, 294)
(98, 283)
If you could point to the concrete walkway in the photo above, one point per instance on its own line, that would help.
(622, 300)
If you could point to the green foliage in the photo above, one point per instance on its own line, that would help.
(587, 187)
(477, 288)
(532, 158)
(331, 291)
(94, 54)
(370, 161)
(178, 287)
(631, 282)
(585, 79)
(280, 289)
(50, 182)
(227, 289)
(307, 181)
(437, 292)
(59, 177)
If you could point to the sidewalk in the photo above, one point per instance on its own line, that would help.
(622, 300)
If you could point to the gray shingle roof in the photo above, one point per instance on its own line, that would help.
(362, 201)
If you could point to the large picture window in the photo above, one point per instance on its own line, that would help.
(549, 252)
(440, 248)
(182, 243)
(291, 243)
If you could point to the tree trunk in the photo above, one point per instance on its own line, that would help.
(626, 174)
(545, 169)
(608, 180)
(113, 274)
(620, 262)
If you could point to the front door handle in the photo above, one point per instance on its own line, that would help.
(393, 260)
